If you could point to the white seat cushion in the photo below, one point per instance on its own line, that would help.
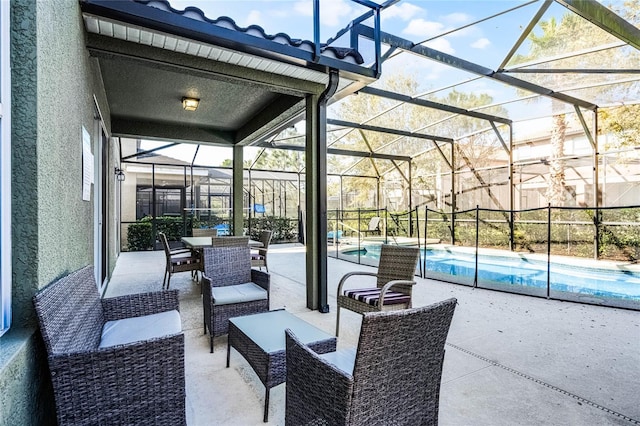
(129, 330)
(344, 359)
(247, 292)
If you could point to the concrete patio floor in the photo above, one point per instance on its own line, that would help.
(510, 359)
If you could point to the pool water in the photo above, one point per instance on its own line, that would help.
(518, 271)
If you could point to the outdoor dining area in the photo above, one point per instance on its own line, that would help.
(508, 359)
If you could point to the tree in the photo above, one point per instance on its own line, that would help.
(228, 162)
(555, 38)
(623, 123)
(428, 164)
(556, 189)
(279, 159)
(572, 33)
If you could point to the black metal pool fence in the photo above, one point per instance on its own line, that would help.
(607, 237)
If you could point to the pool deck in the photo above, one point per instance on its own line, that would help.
(510, 359)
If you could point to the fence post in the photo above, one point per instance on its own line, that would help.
(475, 272)
(386, 227)
(410, 224)
(597, 220)
(340, 220)
(453, 228)
(549, 251)
(512, 228)
(424, 257)
(418, 236)
(336, 239)
(359, 235)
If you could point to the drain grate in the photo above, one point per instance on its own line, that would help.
(555, 388)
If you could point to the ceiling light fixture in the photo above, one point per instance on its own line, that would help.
(190, 104)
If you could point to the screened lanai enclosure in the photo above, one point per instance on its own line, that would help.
(163, 192)
(496, 125)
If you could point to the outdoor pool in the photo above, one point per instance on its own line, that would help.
(518, 273)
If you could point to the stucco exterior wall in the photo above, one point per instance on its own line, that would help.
(24, 157)
(65, 106)
(24, 380)
(53, 86)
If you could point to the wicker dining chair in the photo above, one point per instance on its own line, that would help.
(396, 270)
(231, 288)
(392, 378)
(259, 255)
(230, 241)
(204, 232)
(179, 260)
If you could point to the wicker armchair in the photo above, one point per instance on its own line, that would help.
(230, 288)
(112, 361)
(259, 256)
(179, 260)
(392, 378)
(396, 270)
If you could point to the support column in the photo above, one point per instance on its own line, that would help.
(598, 193)
(453, 192)
(238, 191)
(312, 188)
(512, 190)
(316, 196)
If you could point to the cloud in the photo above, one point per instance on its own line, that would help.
(423, 28)
(427, 29)
(457, 18)
(424, 71)
(254, 17)
(404, 11)
(481, 43)
(304, 8)
(441, 44)
(280, 13)
(332, 12)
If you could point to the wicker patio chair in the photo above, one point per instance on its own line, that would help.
(231, 288)
(230, 241)
(392, 378)
(112, 361)
(179, 260)
(396, 270)
(259, 256)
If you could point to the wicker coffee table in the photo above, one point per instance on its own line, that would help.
(260, 340)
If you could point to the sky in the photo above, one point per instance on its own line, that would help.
(416, 20)
(444, 25)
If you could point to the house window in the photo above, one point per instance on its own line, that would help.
(5, 171)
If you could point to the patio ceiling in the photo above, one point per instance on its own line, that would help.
(150, 56)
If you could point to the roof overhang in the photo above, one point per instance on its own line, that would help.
(249, 85)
